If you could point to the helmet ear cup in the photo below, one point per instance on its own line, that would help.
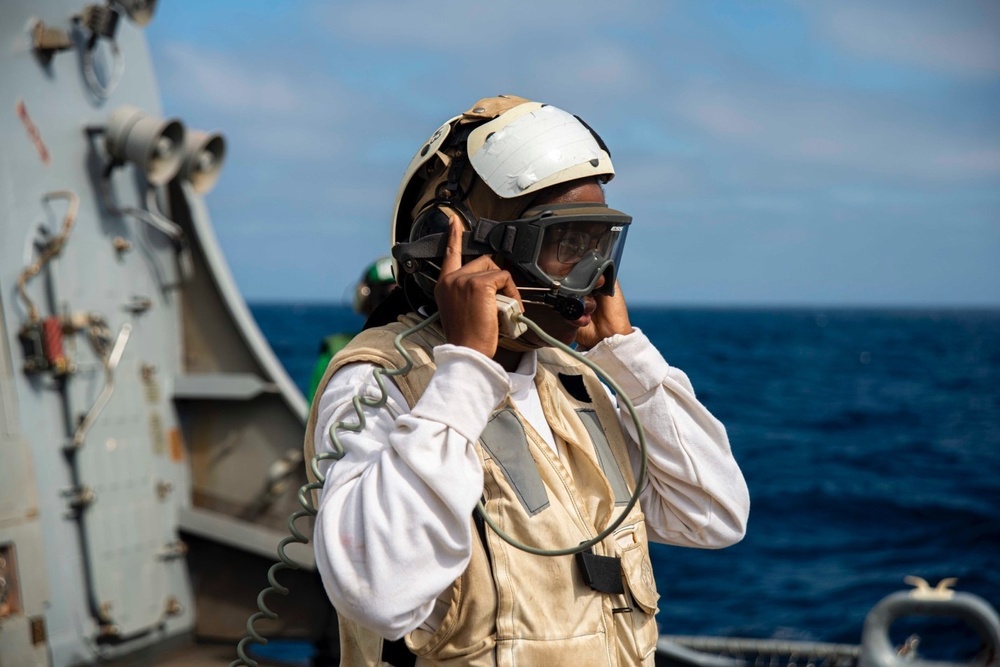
(419, 285)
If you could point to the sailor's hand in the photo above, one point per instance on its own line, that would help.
(610, 318)
(466, 295)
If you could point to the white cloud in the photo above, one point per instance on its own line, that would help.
(269, 110)
(598, 75)
(221, 82)
(252, 84)
(869, 133)
(474, 29)
(976, 160)
(288, 138)
(957, 36)
(716, 111)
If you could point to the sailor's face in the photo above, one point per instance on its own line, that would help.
(560, 253)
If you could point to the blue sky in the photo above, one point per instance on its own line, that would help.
(771, 153)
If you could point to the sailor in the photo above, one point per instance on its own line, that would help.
(508, 199)
(375, 284)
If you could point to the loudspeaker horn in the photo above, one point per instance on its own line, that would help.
(139, 11)
(154, 144)
(204, 153)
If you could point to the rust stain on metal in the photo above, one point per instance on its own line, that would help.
(176, 445)
(38, 632)
(33, 133)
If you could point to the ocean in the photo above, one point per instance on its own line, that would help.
(870, 440)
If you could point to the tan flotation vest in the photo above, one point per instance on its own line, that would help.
(510, 607)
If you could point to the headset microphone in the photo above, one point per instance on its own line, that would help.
(570, 307)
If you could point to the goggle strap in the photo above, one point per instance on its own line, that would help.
(433, 246)
(482, 230)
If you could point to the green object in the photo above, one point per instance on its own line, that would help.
(330, 346)
(379, 272)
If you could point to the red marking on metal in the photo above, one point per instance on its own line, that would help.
(52, 343)
(33, 133)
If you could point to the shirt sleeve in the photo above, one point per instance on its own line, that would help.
(393, 530)
(695, 494)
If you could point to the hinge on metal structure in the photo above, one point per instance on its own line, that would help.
(173, 550)
(79, 497)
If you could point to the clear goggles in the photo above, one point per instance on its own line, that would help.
(563, 248)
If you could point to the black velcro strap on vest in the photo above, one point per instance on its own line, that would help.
(397, 654)
(573, 384)
(602, 573)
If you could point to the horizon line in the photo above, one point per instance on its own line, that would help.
(703, 305)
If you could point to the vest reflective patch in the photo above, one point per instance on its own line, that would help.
(604, 456)
(505, 440)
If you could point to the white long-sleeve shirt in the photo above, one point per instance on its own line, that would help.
(393, 530)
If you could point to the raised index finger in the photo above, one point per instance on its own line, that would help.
(453, 252)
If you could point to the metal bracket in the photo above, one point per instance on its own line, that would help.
(923, 591)
(173, 550)
(47, 40)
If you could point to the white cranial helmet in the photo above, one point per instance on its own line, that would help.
(514, 146)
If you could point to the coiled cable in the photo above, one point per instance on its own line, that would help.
(305, 493)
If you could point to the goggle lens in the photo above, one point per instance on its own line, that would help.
(573, 244)
(565, 244)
